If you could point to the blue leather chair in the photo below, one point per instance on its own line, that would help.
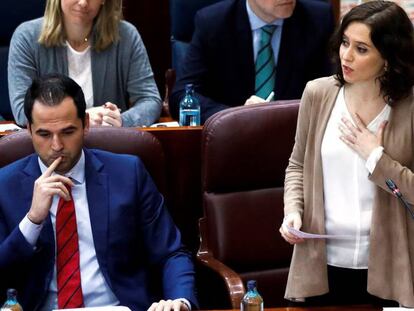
(12, 13)
(182, 26)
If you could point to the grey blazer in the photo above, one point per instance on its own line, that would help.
(391, 257)
(121, 74)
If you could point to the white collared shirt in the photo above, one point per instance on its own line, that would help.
(256, 23)
(96, 291)
(348, 193)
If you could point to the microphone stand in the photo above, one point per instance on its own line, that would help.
(393, 187)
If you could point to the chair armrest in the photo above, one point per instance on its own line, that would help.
(232, 280)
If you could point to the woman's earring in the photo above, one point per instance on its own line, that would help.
(385, 68)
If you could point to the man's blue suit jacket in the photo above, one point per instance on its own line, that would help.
(220, 62)
(131, 227)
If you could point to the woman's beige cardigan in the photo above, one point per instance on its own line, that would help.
(391, 256)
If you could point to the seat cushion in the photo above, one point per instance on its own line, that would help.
(243, 229)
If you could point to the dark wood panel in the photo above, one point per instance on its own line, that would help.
(182, 148)
(336, 8)
(151, 17)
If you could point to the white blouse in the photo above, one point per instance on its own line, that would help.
(80, 70)
(348, 194)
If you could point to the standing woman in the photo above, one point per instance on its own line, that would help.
(355, 130)
(88, 41)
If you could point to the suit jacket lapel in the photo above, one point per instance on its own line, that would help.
(31, 173)
(97, 193)
(244, 49)
(327, 104)
(288, 45)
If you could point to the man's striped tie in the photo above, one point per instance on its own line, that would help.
(265, 63)
(68, 271)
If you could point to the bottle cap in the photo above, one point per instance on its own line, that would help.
(188, 86)
(11, 292)
(251, 284)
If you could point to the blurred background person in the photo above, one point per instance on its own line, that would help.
(355, 130)
(242, 50)
(88, 41)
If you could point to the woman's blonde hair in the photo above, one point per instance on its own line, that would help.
(106, 25)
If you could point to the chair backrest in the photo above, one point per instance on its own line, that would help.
(182, 27)
(245, 152)
(117, 140)
(12, 14)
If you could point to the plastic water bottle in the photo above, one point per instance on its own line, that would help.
(11, 303)
(189, 108)
(252, 301)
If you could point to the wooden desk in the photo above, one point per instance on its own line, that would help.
(182, 148)
(333, 308)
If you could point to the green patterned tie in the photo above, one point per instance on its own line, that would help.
(265, 63)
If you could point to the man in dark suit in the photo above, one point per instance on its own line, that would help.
(220, 60)
(114, 220)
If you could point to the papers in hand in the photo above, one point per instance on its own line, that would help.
(305, 235)
(111, 308)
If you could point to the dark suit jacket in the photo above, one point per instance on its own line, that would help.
(131, 228)
(220, 62)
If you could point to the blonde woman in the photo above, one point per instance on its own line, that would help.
(88, 41)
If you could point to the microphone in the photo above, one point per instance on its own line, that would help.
(393, 187)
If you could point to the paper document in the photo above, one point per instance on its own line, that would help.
(111, 308)
(6, 127)
(166, 124)
(305, 235)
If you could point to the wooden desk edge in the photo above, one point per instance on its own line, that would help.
(173, 128)
(326, 308)
(146, 129)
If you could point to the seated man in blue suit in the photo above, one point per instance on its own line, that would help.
(232, 60)
(80, 227)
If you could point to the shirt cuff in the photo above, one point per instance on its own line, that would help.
(186, 302)
(373, 159)
(30, 231)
